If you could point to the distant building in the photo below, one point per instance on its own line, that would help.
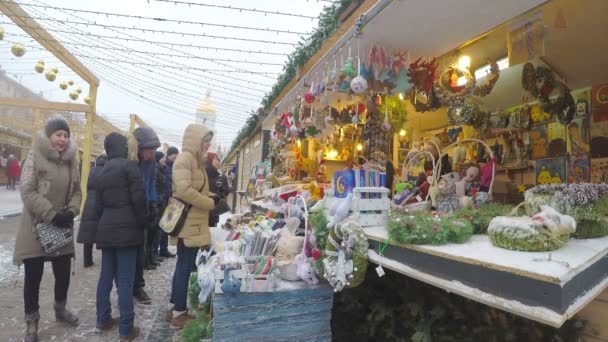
(205, 113)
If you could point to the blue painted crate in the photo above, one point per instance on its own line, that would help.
(302, 314)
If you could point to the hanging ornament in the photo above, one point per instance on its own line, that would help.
(1, 33)
(348, 69)
(386, 125)
(87, 100)
(378, 100)
(74, 95)
(294, 130)
(63, 85)
(39, 67)
(565, 107)
(71, 83)
(18, 50)
(309, 98)
(51, 76)
(79, 91)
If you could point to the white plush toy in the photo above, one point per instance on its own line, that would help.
(341, 211)
(206, 275)
(552, 220)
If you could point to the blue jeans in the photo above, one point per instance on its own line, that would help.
(186, 257)
(117, 264)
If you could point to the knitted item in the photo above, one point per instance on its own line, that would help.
(56, 124)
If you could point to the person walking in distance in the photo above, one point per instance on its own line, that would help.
(122, 210)
(142, 148)
(172, 153)
(190, 184)
(88, 220)
(13, 172)
(50, 190)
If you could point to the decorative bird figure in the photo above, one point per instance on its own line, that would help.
(231, 285)
(341, 211)
(206, 275)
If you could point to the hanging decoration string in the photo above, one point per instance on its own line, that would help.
(240, 9)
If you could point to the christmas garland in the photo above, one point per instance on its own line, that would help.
(480, 218)
(425, 229)
(517, 239)
(318, 221)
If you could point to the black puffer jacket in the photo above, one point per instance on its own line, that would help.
(88, 221)
(121, 199)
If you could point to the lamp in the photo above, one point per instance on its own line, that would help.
(464, 62)
(359, 147)
(402, 132)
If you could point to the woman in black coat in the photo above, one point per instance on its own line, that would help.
(88, 221)
(122, 209)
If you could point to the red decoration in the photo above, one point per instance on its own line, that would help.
(435, 228)
(316, 253)
(361, 108)
(422, 74)
(309, 98)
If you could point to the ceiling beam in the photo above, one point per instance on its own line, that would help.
(22, 19)
(41, 104)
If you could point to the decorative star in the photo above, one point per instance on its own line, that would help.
(522, 188)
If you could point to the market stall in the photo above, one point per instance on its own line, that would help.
(467, 155)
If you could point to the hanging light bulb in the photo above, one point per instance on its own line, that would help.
(401, 96)
(402, 132)
(359, 147)
(464, 62)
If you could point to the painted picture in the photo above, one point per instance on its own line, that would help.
(578, 135)
(557, 139)
(581, 98)
(599, 102)
(599, 170)
(550, 171)
(579, 170)
(599, 139)
(540, 141)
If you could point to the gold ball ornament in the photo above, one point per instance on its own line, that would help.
(1, 33)
(79, 91)
(55, 70)
(63, 85)
(87, 100)
(39, 67)
(51, 76)
(71, 83)
(18, 50)
(74, 95)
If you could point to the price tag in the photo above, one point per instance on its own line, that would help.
(418, 198)
(380, 271)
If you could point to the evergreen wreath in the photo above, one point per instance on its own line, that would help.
(480, 218)
(425, 229)
(397, 112)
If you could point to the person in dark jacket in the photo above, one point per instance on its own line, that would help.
(153, 241)
(122, 210)
(88, 221)
(172, 153)
(217, 184)
(142, 148)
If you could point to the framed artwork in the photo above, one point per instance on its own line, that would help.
(556, 133)
(599, 102)
(550, 171)
(578, 135)
(599, 170)
(540, 141)
(582, 98)
(579, 168)
(599, 139)
(539, 116)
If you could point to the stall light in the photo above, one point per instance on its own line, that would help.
(332, 154)
(402, 132)
(464, 62)
(299, 142)
(401, 96)
(359, 147)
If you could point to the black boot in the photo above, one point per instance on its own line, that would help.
(167, 254)
(141, 296)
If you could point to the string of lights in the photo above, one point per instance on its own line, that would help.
(172, 62)
(178, 21)
(239, 9)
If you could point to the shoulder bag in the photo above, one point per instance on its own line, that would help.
(175, 214)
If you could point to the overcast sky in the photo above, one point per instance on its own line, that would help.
(163, 96)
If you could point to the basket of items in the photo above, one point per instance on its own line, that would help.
(413, 195)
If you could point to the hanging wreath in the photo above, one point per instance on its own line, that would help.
(345, 261)
(491, 79)
(448, 82)
(425, 229)
(539, 81)
(397, 113)
(564, 107)
(460, 113)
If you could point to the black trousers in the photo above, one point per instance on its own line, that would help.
(139, 269)
(34, 268)
(87, 253)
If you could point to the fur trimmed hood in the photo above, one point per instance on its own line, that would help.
(44, 147)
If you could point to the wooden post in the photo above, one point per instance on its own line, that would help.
(36, 123)
(88, 142)
(132, 123)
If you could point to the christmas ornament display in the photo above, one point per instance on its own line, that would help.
(50, 75)
(74, 95)
(87, 100)
(63, 85)
(39, 67)
(1, 33)
(71, 83)
(18, 50)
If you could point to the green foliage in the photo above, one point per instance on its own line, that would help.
(328, 24)
(193, 290)
(202, 327)
(480, 218)
(424, 229)
(397, 114)
(401, 309)
(318, 221)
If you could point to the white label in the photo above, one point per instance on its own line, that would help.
(380, 271)
(418, 198)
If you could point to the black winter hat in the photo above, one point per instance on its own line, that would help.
(116, 145)
(158, 155)
(146, 138)
(101, 160)
(172, 150)
(56, 124)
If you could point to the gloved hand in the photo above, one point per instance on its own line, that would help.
(215, 198)
(64, 219)
(220, 207)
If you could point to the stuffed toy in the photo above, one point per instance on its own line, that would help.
(447, 201)
(231, 285)
(486, 174)
(288, 246)
(206, 275)
(339, 211)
